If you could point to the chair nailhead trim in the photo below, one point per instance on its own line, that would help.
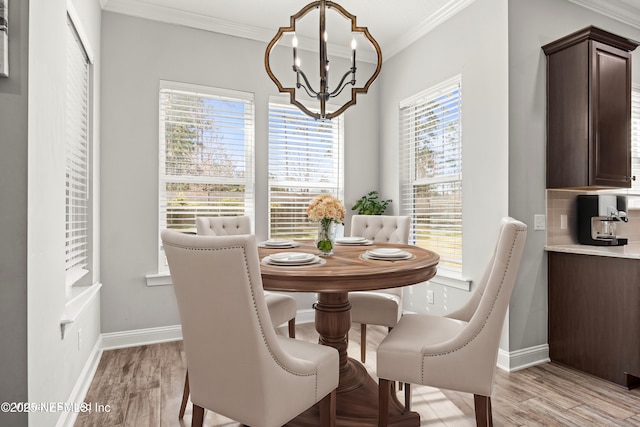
(493, 303)
(255, 308)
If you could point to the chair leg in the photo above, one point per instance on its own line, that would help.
(407, 397)
(328, 410)
(484, 417)
(185, 396)
(363, 342)
(198, 416)
(384, 393)
(400, 384)
(292, 328)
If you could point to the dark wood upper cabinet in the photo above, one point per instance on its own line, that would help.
(589, 110)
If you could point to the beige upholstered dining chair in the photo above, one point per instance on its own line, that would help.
(248, 374)
(282, 308)
(459, 351)
(383, 307)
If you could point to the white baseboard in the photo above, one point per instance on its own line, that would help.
(79, 392)
(521, 359)
(161, 334)
(137, 337)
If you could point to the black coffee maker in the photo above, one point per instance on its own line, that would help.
(598, 216)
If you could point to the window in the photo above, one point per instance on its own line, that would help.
(431, 170)
(206, 154)
(305, 160)
(77, 161)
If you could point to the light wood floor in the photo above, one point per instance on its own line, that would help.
(143, 387)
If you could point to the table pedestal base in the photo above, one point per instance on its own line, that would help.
(357, 393)
(358, 407)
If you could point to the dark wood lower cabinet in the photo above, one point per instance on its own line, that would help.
(594, 315)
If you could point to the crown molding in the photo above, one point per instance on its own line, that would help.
(171, 15)
(614, 9)
(414, 34)
(175, 15)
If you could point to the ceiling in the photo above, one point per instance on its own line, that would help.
(392, 26)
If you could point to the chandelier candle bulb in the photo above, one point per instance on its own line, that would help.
(326, 77)
(294, 43)
(353, 60)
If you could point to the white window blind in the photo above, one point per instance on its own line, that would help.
(635, 140)
(305, 160)
(206, 154)
(431, 170)
(77, 160)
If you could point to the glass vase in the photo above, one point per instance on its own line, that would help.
(326, 237)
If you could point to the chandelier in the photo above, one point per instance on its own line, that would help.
(303, 89)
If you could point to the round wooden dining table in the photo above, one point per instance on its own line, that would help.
(332, 279)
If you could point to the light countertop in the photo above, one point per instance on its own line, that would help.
(631, 250)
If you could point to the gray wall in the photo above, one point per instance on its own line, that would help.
(472, 44)
(13, 217)
(533, 24)
(137, 53)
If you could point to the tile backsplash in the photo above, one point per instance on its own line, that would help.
(563, 202)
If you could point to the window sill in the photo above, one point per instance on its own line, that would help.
(452, 280)
(160, 279)
(80, 297)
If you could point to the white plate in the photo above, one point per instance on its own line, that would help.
(387, 253)
(278, 243)
(352, 241)
(316, 260)
(386, 258)
(291, 258)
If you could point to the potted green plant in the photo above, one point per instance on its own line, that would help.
(371, 204)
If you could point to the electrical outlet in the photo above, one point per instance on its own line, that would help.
(430, 296)
(539, 222)
(563, 222)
